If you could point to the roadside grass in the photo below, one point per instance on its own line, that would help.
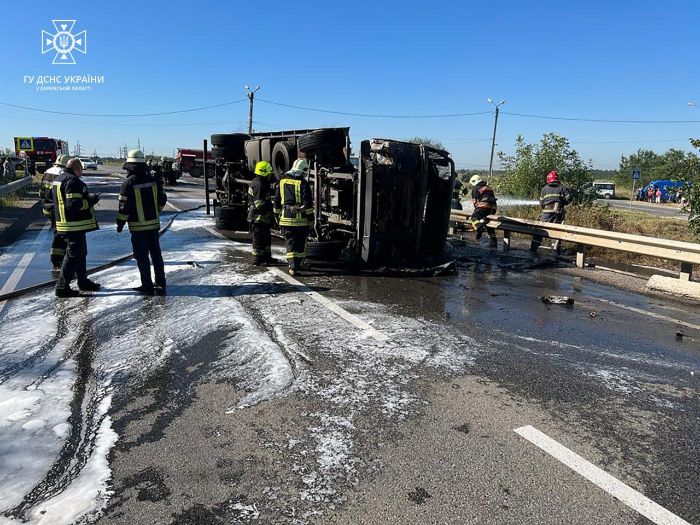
(602, 217)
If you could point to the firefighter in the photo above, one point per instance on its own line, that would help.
(140, 200)
(260, 213)
(74, 212)
(553, 199)
(294, 205)
(58, 244)
(484, 200)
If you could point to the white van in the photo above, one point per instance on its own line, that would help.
(605, 189)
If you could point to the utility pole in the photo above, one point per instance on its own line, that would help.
(251, 97)
(495, 125)
(139, 144)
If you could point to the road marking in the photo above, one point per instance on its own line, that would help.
(648, 313)
(333, 307)
(15, 277)
(616, 488)
(330, 305)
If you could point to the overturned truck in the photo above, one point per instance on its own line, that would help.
(392, 208)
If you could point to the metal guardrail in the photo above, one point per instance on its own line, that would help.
(687, 253)
(15, 185)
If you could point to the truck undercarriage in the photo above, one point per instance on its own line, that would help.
(392, 208)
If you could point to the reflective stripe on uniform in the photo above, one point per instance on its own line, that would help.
(142, 224)
(296, 255)
(122, 217)
(57, 251)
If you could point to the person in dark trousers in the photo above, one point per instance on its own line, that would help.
(553, 199)
(260, 213)
(140, 200)
(58, 244)
(484, 200)
(74, 212)
(294, 204)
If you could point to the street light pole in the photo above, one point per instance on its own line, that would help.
(251, 97)
(495, 125)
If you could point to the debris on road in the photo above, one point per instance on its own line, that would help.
(558, 299)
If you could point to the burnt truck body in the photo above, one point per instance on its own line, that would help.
(389, 207)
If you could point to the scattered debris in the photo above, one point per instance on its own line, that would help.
(558, 299)
(463, 428)
(420, 496)
(679, 334)
(195, 264)
(593, 313)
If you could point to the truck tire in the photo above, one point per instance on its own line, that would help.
(211, 171)
(324, 250)
(230, 218)
(283, 155)
(229, 140)
(321, 139)
(195, 171)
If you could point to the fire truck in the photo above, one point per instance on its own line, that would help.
(192, 161)
(40, 152)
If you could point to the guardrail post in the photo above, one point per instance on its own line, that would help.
(686, 271)
(580, 255)
(506, 240)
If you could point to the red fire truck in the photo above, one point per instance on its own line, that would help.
(191, 161)
(40, 152)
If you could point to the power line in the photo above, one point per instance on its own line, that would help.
(613, 121)
(189, 110)
(447, 115)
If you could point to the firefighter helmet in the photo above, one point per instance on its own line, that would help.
(263, 168)
(552, 176)
(135, 156)
(62, 160)
(300, 165)
(476, 179)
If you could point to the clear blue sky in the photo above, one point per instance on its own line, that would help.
(593, 59)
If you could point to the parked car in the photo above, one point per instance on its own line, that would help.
(605, 190)
(88, 164)
(668, 188)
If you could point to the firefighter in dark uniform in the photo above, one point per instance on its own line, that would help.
(553, 200)
(294, 204)
(260, 213)
(484, 200)
(58, 244)
(140, 200)
(74, 213)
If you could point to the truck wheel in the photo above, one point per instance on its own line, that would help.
(195, 171)
(210, 172)
(232, 144)
(230, 218)
(325, 250)
(283, 155)
(320, 139)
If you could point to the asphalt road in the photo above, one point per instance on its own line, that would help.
(27, 262)
(243, 397)
(668, 211)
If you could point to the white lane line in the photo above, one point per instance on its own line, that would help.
(647, 313)
(16, 275)
(616, 488)
(330, 305)
(333, 307)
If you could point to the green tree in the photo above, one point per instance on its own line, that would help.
(691, 188)
(524, 173)
(673, 165)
